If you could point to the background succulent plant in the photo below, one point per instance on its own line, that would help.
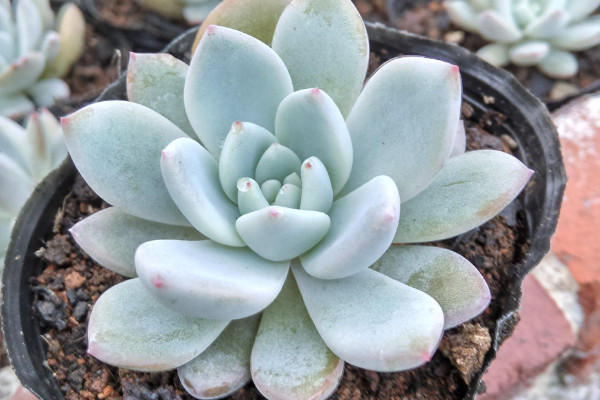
(530, 32)
(194, 11)
(280, 161)
(26, 156)
(35, 52)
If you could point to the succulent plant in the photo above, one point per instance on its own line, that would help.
(33, 56)
(26, 156)
(530, 32)
(193, 11)
(291, 176)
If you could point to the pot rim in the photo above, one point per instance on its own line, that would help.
(37, 216)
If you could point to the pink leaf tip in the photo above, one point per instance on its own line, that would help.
(158, 282)
(211, 29)
(275, 213)
(238, 127)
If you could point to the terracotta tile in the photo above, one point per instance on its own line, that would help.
(541, 336)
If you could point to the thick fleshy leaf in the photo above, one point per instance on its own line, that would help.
(156, 81)
(460, 141)
(29, 26)
(13, 143)
(528, 53)
(243, 147)
(116, 146)
(194, 14)
(317, 193)
(309, 123)
(469, 190)
(46, 144)
(46, 92)
(279, 233)
(580, 8)
(293, 179)
(324, 44)
(13, 105)
(372, 321)
(270, 189)
(224, 367)
(547, 25)
(580, 36)
(363, 224)
(495, 54)
(449, 278)
(208, 280)
(16, 186)
(111, 237)
(250, 196)
(233, 77)
(257, 18)
(128, 328)
(462, 14)
(277, 162)
(408, 141)
(559, 64)
(71, 30)
(49, 46)
(22, 73)
(289, 196)
(191, 175)
(289, 359)
(494, 27)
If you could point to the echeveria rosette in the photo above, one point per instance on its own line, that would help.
(252, 161)
(27, 155)
(193, 11)
(531, 32)
(35, 52)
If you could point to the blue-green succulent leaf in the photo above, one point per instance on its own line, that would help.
(224, 367)
(16, 186)
(449, 278)
(208, 280)
(559, 64)
(15, 104)
(128, 328)
(196, 12)
(317, 193)
(469, 190)
(289, 358)
(495, 27)
(243, 147)
(46, 92)
(250, 196)
(192, 177)
(580, 8)
(495, 54)
(409, 141)
(309, 123)
(372, 321)
(580, 36)
(111, 237)
(156, 81)
(363, 224)
(233, 77)
(22, 73)
(277, 162)
(528, 53)
(279, 233)
(324, 44)
(462, 14)
(288, 196)
(270, 189)
(114, 144)
(547, 25)
(293, 179)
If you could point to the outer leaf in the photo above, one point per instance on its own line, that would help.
(16, 186)
(495, 54)
(156, 81)
(13, 143)
(22, 73)
(243, 147)
(111, 237)
(289, 358)
(257, 18)
(462, 14)
(363, 224)
(460, 141)
(278, 233)
(580, 8)
(471, 189)
(372, 321)
(46, 92)
(29, 26)
(528, 53)
(233, 77)
(309, 123)
(116, 147)
(71, 30)
(192, 178)
(408, 141)
(128, 328)
(581, 36)
(559, 64)
(494, 27)
(13, 105)
(205, 279)
(548, 25)
(324, 44)
(46, 145)
(224, 367)
(446, 276)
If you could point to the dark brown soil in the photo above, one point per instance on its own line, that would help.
(71, 282)
(429, 18)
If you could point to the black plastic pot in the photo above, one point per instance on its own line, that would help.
(528, 123)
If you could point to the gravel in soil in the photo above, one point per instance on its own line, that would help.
(71, 282)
